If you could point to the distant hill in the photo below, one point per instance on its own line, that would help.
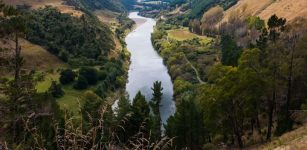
(113, 5)
(288, 9)
(67, 6)
(200, 6)
(35, 4)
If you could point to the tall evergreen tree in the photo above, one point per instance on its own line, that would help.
(187, 126)
(275, 27)
(230, 51)
(155, 105)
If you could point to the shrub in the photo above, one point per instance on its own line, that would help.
(56, 90)
(90, 74)
(102, 75)
(67, 76)
(81, 83)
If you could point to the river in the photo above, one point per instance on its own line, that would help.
(147, 66)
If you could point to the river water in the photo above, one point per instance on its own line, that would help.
(147, 66)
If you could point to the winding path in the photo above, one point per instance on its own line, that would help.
(195, 70)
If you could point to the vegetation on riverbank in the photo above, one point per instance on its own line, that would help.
(248, 69)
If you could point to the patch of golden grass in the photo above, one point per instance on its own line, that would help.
(183, 34)
(106, 16)
(288, 9)
(35, 57)
(38, 58)
(294, 140)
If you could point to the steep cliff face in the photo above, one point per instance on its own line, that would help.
(288, 9)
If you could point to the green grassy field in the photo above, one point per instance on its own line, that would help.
(70, 100)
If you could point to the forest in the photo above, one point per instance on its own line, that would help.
(251, 84)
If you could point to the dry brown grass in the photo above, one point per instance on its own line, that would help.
(288, 9)
(183, 34)
(294, 140)
(36, 57)
(42, 3)
(106, 16)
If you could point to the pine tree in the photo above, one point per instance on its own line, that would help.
(155, 105)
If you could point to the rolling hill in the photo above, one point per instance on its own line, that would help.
(288, 9)
(35, 4)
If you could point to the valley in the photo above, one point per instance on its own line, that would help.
(147, 74)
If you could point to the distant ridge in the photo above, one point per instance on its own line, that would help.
(288, 9)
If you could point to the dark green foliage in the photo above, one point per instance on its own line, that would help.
(97, 112)
(113, 5)
(140, 108)
(81, 83)
(128, 3)
(56, 90)
(102, 89)
(91, 107)
(155, 105)
(136, 122)
(102, 75)
(67, 76)
(157, 97)
(140, 116)
(175, 3)
(69, 37)
(112, 72)
(124, 112)
(187, 126)
(64, 55)
(90, 74)
(276, 26)
(230, 51)
(124, 108)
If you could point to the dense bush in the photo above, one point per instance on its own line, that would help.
(56, 90)
(230, 51)
(69, 37)
(90, 74)
(112, 77)
(81, 83)
(67, 76)
(113, 5)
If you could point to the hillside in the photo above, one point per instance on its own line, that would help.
(35, 4)
(294, 140)
(265, 8)
(112, 5)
